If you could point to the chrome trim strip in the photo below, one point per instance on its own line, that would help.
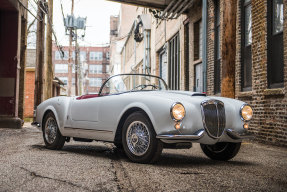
(234, 135)
(84, 129)
(197, 136)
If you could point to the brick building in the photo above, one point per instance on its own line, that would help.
(29, 83)
(58, 85)
(235, 48)
(94, 63)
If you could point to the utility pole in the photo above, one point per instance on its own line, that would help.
(39, 54)
(72, 24)
(49, 65)
(70, 55)
(76, 62)
(80, 64)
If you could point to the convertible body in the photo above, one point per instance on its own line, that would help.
(206, 120)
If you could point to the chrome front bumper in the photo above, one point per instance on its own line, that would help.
(199, 134)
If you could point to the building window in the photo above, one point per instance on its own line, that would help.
(83, 56)
(108, 55)
(61, 68)
(163, 65)
(95, 82)
(275, 65)
(64, 79)
(96, 56)
(73, 81)
(95, 69)
(107, 68)
(197, 40)
(174, 63)
(217, 49)
(58, 55)
(198, 78)
(246, 41)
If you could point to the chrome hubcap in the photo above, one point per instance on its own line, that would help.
(138, 138)
(50, 130)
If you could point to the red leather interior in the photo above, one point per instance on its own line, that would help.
(87, 96)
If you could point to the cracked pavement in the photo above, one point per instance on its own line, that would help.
(26, 165)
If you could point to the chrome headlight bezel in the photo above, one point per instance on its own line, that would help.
(171, 111)
(240, 112)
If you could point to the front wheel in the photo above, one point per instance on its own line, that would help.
(221, 151)
(139, 139)
(52, 137)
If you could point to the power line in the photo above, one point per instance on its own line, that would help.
(49, 20)
(29, 11)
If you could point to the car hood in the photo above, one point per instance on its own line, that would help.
(186, 96)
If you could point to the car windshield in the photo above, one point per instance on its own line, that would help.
(132, 82)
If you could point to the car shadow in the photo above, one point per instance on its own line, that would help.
(179, 160)
(167, 159)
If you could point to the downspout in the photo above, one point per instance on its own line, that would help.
(135, 45)
(148, 52)
(204, 43)
(144, 58)
(124, 64)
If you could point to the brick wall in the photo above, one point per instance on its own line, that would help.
(270, 105)
(29, 92)
(210, 48)
(194, 15)
(211, 44)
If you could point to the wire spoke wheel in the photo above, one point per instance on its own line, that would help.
(51, 130)
(138, 138)
(52, 136)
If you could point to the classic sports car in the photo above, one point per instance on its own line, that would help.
(138, 113)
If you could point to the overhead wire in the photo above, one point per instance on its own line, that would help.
(29, 10)
(49, 20)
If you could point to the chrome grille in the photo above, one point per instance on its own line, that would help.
(213, 116)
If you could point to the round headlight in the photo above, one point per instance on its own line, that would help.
(246, 112)
(177, 111)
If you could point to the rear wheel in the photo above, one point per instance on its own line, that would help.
(139, 139)
(221, 151)
(52, 137)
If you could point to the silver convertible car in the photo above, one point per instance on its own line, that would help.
(139, 114)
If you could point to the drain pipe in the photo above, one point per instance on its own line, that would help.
(146, 59)
(204, 43)
(148, 52)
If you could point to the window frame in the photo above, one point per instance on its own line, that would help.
(174, 62)
(246, 68)
(275, 62)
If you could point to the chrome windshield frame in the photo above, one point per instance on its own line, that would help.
(131, 74)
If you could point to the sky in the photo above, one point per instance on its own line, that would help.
(98, 14)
